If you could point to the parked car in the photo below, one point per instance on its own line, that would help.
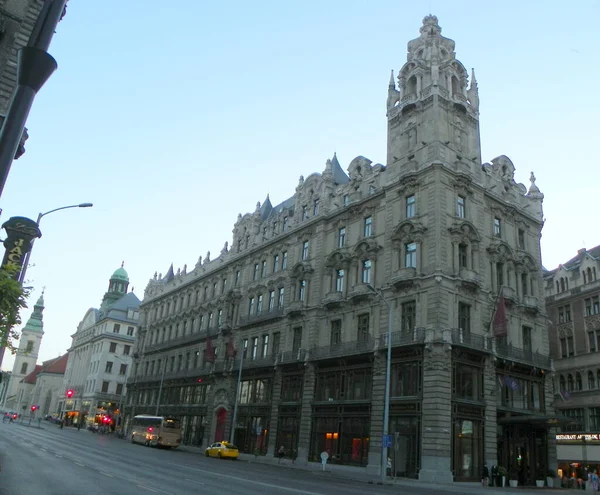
(222, 450)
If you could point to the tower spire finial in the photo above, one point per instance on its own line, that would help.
(122, 263)
(392, 83)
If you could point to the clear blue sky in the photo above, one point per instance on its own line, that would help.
(173, 117)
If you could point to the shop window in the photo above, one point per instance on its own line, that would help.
(468, 449)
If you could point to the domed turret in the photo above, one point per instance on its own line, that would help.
(117, 287)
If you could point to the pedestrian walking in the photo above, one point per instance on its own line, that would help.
(485, 477)
(281, 453)
(595, 482)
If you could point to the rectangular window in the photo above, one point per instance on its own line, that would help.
(265, 345)
(524, 284)
(210, 320)
(301, 290)
(497, 227)
(259, 304)
(521, 239)
(275, 263)
(336, 332)
(527, 339)
(254, 347)
(563, 347)
(297, 339)
(108, 368)
(284, 260)
(119, 389)
(366, 271)
(363, 328)
(251, 306)
(409, 315)
(596, 305)
(570, 347)
(126, 350)
(468, 382)
(499, 275)
(275, 346)
(592, 341)
(339, 280)
(411, 206)
(341, 237)
(464, 317)
(280, 294)
(462, 255)
(577, 420)
(105, 387)
(406, 379)
(284, 226)
(29, 347)
(368, 227)
(594, 418)
(116, 328)
(112, 347)
(130, 331)
(305, 246)
(461, 203)
(304, 212)
(123, 369)
(255, 277)
(346, 200)
(315, 207)
(271, 300)
(410, 255)
(263, 269)
(219, 318)
(237, 278)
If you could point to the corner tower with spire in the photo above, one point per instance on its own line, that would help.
(117, 287)
(432, 112)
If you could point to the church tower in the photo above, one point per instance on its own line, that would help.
(27, 354)
(433, 115)
(117, 287)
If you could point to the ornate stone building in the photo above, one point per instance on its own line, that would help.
(304, 292)
(573, 305)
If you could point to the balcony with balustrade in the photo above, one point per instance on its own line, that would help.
(262, 316)
(191, 338)
(341, 349)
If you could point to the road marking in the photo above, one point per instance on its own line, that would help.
(80, 464)
(43, 450)
(148, 488)
(195, 481)
(58, 455)
(246, 480)
(107, 474)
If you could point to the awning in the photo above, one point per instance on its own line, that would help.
(535, 419)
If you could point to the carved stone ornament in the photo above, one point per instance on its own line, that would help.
(408, 230)
(500, 251)
(221, 397)
(367, 248)
(464, 231)
(463, 185)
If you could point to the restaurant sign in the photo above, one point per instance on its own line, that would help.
(20, 233)
(578, 437)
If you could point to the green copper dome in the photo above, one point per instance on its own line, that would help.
(120, 274)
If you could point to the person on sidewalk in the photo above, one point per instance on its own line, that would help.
(281, 454)
(595, 481)
(485, 477)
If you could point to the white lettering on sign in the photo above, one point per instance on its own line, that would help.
(588, 437)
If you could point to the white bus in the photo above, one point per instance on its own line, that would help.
(156, 431)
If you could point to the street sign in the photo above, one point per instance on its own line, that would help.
(387, 440)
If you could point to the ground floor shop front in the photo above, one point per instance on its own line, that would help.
(452, 411)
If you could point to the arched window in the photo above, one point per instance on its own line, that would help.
(455, 86)
(562, 384)
(591, 380)
(570, 383)
(411, 86)
(578, 382)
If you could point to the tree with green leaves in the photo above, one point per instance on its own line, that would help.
(13, 298)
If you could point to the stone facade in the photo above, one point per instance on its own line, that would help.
(302, 295)
(573, 305)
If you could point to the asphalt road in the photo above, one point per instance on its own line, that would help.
(51, 461)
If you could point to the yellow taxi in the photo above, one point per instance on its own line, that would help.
(222, 450)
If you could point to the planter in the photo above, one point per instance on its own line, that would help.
(550, 482)
(539, 483)
(513, 483)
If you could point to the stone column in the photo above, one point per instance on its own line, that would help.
(436, 429)
(275, 400)
(306, 414)
(377, 403)
(491, 396)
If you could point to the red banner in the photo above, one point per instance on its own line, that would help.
(500, 325)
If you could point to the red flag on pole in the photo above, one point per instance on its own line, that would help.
(500, 326)
(230, 352)
(209, 353)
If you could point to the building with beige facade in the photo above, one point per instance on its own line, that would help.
(301, 295)
(573, 306)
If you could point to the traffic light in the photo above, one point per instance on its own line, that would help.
(33, 408)
(70, 393)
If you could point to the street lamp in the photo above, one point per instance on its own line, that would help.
(39, 218)
(388, 372)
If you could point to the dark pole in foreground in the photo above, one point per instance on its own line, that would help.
(34, 68)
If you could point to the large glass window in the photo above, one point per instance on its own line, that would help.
(406, 380)
(468, 445)
(576, 416)
(468, 382)
(291, 388)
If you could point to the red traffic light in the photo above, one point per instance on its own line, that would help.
(199, 380)
(70, 393)
(33, 408)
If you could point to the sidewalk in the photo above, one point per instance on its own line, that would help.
(360, 475)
